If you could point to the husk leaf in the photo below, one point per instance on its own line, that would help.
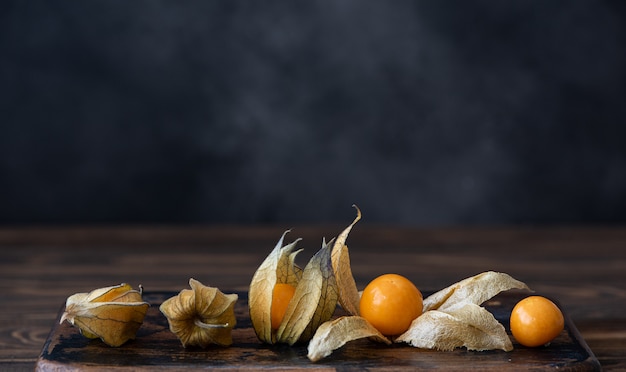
(476, 289)
(454, 318)
(313, 302)
(332, 335)
(468, 325)
(348, 293)
(278, 267)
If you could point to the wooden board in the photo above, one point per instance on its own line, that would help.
(156, 348)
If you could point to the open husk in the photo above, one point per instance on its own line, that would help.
(324, 281)
(314, 300)
(334, 334)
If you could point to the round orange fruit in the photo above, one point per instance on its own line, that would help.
(390, 303)
(536, 321)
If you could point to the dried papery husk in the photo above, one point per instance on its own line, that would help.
(453, 316)
(113, 314)
(467, 325)
(278, 267)
(476, 289)
(201, 316)
(348, 292)
(333, 334)
(287, 271)
(313, 302)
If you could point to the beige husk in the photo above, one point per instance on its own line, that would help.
(468, 325)
(278, 267)
(334, 334)
(313, 302)
(113, 314)
(201, 316)
(476, 289)
(348, 293)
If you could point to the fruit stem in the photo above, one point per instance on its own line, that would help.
(204, 325)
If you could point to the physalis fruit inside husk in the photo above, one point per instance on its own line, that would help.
(318, 287)
(201, 316)
(113, 314)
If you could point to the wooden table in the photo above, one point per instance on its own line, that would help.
(584, 268)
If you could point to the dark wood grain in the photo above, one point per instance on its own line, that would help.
(584, 268)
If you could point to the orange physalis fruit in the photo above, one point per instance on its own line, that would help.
(390, 303)
(535, 321)
(281, 296)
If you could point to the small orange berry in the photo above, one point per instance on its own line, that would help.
(281, 296)
(536, 321)
(390, 303)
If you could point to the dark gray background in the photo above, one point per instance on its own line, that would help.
(421, 112)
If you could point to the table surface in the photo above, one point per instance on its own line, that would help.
(584, 268)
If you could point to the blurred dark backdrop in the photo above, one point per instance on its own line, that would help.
(420, 112)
